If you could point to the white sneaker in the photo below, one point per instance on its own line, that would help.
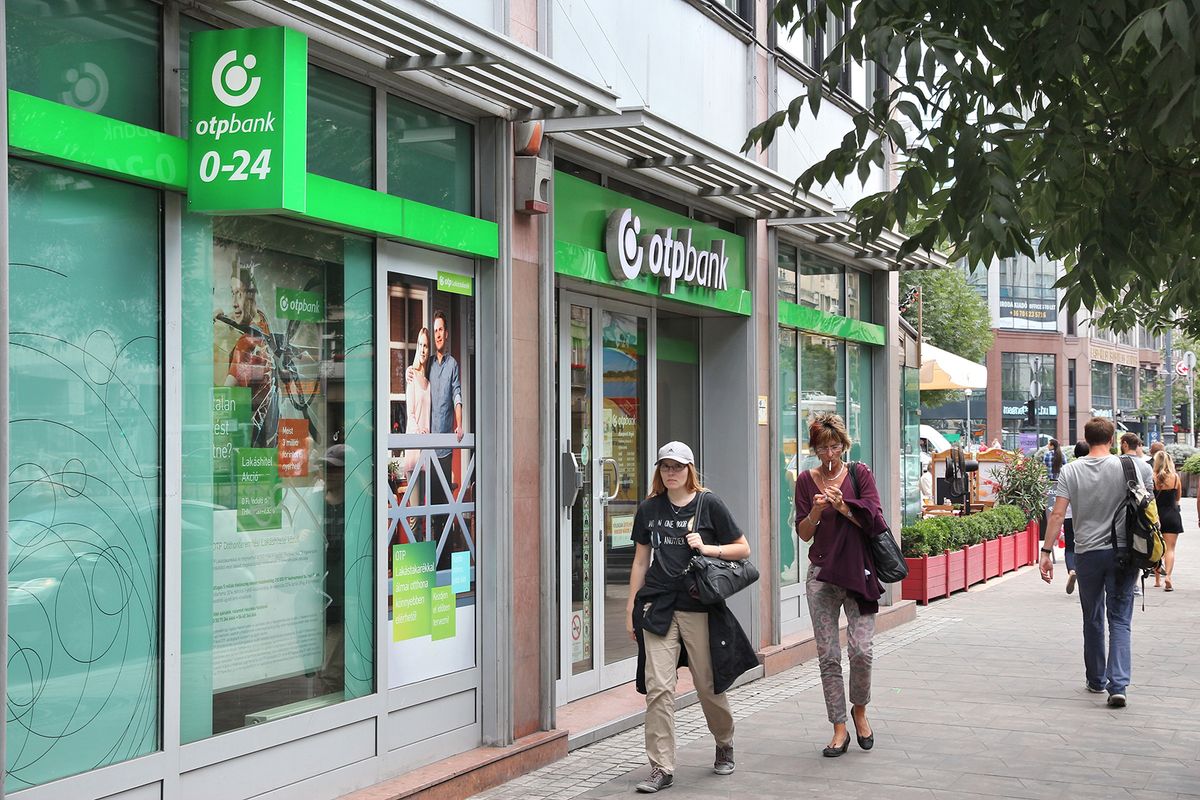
(1070, 583)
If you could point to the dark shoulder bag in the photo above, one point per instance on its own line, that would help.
(718, 579)
(890, 566)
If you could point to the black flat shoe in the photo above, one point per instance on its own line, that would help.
(834, 752)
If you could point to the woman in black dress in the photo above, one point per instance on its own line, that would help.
(1167, 491)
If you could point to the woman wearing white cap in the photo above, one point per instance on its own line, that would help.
(670, 624)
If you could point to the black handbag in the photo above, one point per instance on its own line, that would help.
(890, 566)
(717, 579)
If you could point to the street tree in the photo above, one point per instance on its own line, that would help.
(1065, 127)
(953, 317)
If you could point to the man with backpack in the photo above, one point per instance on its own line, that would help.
(1102, 492)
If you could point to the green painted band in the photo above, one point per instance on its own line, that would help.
(793, 315)
(51, 132)
(576, 261)
(58, 134)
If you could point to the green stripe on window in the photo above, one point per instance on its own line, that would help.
(810, 319)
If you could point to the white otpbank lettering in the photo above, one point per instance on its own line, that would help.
(667, 253)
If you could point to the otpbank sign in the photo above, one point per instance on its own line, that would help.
(248, 103)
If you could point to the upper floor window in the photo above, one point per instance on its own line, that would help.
(741, 8)
(1028, 299)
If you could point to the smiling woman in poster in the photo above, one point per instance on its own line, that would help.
(836, 516)
(416, 395)
(670, 623)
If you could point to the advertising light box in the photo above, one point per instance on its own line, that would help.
(248, 106)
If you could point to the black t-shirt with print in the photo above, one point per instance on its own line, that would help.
(664, 527)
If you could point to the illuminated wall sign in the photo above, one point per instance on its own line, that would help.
(248, 104)
(667, 253)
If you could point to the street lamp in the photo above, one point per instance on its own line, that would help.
(967, 392)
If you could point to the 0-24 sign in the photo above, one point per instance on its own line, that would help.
(247, 143)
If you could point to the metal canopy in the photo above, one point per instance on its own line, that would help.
(413, 36)
(646, 142)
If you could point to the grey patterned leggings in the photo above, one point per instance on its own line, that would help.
(825, 602)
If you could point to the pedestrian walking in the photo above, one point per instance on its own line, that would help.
(1053, 459)
(1168, 490)
(1081, 450)
(836, 512)
(665, 616)
(1095, 488)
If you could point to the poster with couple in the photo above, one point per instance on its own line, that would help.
(431, 475)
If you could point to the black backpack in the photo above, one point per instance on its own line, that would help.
(1141, 547)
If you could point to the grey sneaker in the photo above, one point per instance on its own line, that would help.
(1070, 583)
(659, 779)
(723, 764)
(1116, 700)
(1094, 689)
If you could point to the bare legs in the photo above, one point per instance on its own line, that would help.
(1169, 556)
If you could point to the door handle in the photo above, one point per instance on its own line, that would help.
(604, 464)
(570, 477)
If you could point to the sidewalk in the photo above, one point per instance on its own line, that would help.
(982, 696)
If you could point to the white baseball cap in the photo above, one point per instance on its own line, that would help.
(676, 451)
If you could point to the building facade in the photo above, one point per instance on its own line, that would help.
(1070, 367)
(340, 339)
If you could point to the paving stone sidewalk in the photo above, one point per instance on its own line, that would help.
(983, 695)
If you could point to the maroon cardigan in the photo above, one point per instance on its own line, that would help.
(839, 547)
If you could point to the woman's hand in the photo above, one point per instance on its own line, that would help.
(820, 503)
(695, 542)
(833, 495)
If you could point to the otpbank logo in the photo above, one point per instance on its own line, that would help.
(666, 253)
(231, 82)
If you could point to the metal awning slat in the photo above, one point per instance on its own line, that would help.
(416, 37)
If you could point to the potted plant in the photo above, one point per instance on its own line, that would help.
(1189, 470)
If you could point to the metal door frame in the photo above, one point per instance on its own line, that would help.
(602, 676)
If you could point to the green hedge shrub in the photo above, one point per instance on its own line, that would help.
(927, 537)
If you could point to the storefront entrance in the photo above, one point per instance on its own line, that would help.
(605, 403)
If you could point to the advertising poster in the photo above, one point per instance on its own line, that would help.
(433, 542)
(269, 544)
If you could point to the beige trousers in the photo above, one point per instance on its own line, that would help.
(689, 628)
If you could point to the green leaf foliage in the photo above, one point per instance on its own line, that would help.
(1024, 483)
(952, 316)
(934, 535)
(1070, 124)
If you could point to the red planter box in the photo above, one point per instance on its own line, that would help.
(931, 577)
(975, 570)
(1008, 553)
(991, 558)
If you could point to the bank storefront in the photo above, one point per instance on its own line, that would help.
(253, 485)
(653, 320)
(829, 349)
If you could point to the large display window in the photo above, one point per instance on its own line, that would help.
(433, 536)
(1022, 376)
(85, 485)
(98, 57)
(278, 446)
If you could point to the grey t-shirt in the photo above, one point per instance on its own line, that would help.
(1096, 486)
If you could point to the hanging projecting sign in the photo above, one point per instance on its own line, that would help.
(248, 103)
(666, 253)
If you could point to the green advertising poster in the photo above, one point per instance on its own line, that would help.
(443, 612)
(248, 106)
(256, 476)
(454, 283)
(413, 576)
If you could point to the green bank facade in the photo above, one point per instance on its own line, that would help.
(326, 423)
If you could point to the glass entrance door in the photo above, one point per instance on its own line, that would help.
(604, 424)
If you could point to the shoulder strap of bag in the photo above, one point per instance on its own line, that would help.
(853, 468)
(696, 517)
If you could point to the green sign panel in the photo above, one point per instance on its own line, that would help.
(455, 284)
(298, 305)
(249, 115)
(257, 481)
(413, 576)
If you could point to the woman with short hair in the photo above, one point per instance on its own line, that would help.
(837, 512)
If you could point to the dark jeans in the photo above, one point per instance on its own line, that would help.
(1069, 538)
(1106, 594)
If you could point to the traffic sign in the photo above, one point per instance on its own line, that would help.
(1189, 358)
(1181, 368)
